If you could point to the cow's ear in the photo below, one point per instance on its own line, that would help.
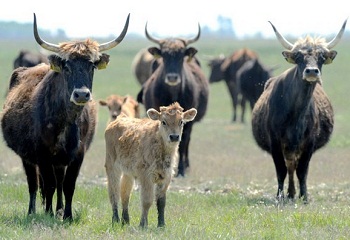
(103, 103)
(55, 63)
(189, 115)
(153, 114)
(155, 52)
(103, 62)
(330, 56)
(190, 52)
(288, 55)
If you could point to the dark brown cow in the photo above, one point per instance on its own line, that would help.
(49, 117)
(226, 68)
(27, 58)
(293, 117)
(142, 65)
(251, 79)
(178, 78)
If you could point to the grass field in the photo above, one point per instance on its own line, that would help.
(229, 191)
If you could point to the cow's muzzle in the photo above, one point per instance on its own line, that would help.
(312, 74)
(80, 96)
(172, 79)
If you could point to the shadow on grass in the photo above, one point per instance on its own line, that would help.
(42, 220)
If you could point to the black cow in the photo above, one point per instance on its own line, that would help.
(27, 58)
(251, 79)
(177, 78)
(225, 68)
(293, 117)
(49, 117)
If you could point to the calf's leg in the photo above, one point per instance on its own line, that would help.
(127, 183)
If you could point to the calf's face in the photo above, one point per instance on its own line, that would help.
(172, 120)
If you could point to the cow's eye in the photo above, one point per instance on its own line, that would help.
(181, 123)
(164, 123)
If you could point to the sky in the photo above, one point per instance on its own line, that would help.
(81, 19)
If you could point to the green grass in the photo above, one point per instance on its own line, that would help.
(229, 191)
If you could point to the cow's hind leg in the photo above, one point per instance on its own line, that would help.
(59, 172)
(127, 183)
(49, 181)
(32, 180)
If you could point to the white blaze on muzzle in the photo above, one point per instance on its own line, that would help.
(80, 96)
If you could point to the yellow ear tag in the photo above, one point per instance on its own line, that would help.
(55, 68)
(290, 60)
(328, 61)
(102, 65)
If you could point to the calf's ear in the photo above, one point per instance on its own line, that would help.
(153, 114)
(103, 103)
(189, 115)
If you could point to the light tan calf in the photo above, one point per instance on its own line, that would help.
(121, 104)
(146, 150)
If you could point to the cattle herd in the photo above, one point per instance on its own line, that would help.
(49, 105)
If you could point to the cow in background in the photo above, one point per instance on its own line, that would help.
(293, 117)
(251, 79)
(49, 117)
(117, 104)
(141, 65)
(27, 58)
(225, 68)
(178, 78)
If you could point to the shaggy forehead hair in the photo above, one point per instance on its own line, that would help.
(172, 109)
(87, 49)
(173, 44)
(311, 43)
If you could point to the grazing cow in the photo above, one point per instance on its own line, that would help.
(49, 117)
(251, 79)
(121, 104)
(178, 77)
(293, 117)
(142, 65)
(146, 150)
(27, 58)
(226, 68)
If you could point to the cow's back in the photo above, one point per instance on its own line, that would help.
(16, 119)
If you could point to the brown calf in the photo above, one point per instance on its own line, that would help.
(145, 149)
(121, 104)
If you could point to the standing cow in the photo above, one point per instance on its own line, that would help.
(144, 149)
(27, 58)
(226, 68)
(293, 117)
(141, 65)
(178, 77)
(49, 117)
(251, 79)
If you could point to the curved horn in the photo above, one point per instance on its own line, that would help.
(149, 37)
(189, 41)
(116, 41)
(48, 46)
(281, 39)
(337, 38)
